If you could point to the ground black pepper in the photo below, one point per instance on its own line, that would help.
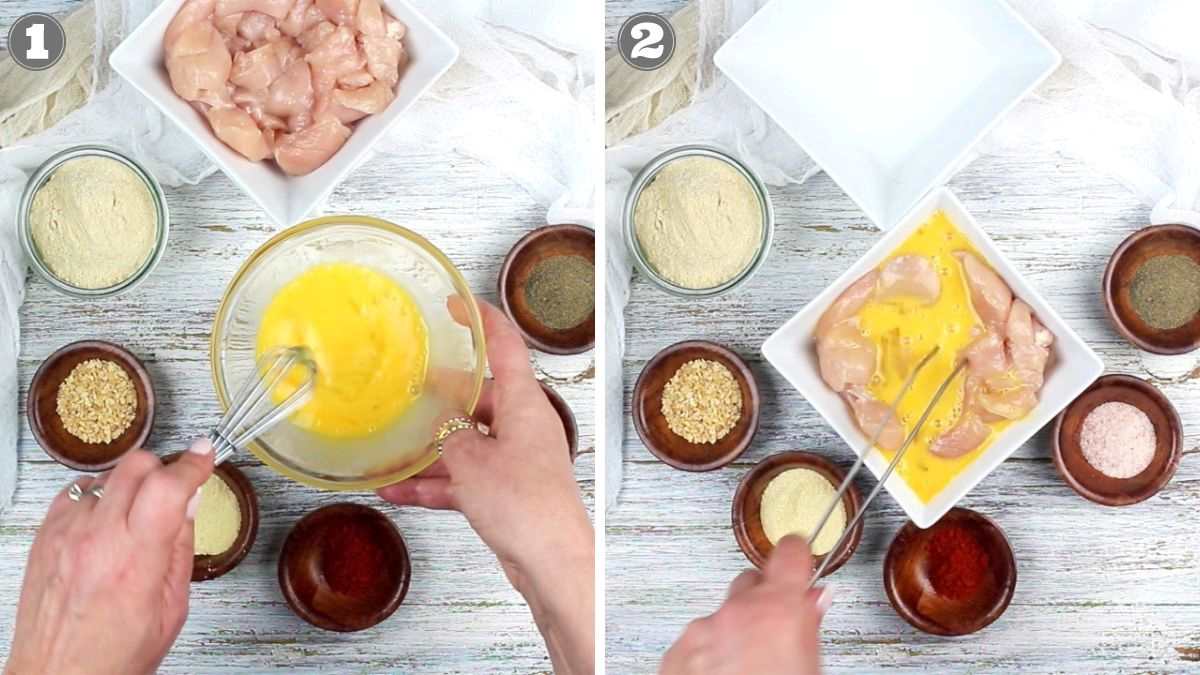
(561, 291)
(1165, 291)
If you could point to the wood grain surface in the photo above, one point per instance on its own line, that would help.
(460, 615)
(1099, 589)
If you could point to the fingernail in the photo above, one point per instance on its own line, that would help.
(201, 446)
(193, 504)
(825, 599)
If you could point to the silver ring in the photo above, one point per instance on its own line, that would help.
(74, 493)
(97, 492)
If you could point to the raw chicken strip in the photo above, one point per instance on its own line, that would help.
(290, 93)
(393, 28)
(383, 56)
(990, 296)
(846, 357)
(198, 61)
(300, 18)
(985, 356)
(1028, 345)
(870, 415)
(369, 18)
(337, 55)
(302, 152)
(848, 303)
(228, 25)
(971, 391)
(256, 69)
(909, 276)
(368, 100)
(276, 8)
(191, 13)
(341, 12)
(967, 434)
(258, 28)
(315, 34)
(238, 130)
(1011, 403)
(355, 80)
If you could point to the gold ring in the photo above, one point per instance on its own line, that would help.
(449, 427)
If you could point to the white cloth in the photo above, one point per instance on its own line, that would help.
(1126, 100)
(520, 98)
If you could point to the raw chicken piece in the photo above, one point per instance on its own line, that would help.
(256, 69)
(1010, 403)
(909, 276)
(871, 414)
(393, 28)
(359, 78)
(848, 303)
(314, 35)
(276, 8)
(971, 391)
(369, 18)
(302, 16)
(258, 28)
(292, 92)
(341, 12)
(253, 102)
(967, 434)
(1028, 344)
(219, 98)
(198, 61)
(302, 152)
(383, 56)
(337, 55)
(228, 25)
(990, 296)
(985, 356)
(192, 12)
(368, 100)
(300, 121)
(238, 130)
(846, 357)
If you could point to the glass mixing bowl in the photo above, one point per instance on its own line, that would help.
(456, 351)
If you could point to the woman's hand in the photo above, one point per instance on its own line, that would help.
(770, 623)
(517, 489)
(106, 583)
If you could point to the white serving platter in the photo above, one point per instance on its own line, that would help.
(286, 199)
(1072, 369)
(887, 96)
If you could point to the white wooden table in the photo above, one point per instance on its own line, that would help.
(1099, 589)
(460, 615)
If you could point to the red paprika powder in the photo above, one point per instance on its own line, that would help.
(352, 560)
(958, 562)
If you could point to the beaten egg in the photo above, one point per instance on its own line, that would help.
(904, 330)
(368, 338)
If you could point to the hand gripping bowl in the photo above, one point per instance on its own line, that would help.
(456, 351)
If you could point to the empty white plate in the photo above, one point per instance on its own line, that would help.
(887, 96)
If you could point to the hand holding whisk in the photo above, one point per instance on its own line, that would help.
(253, 410)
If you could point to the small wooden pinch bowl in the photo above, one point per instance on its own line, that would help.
(206, 567)
(747, 502)
(546, 242)
(1091, 483)
(1147, 243)
(906, 578)
(567, 416)
(652, 426)
(47, 427)
(308, 593)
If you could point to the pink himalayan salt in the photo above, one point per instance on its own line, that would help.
(1118, 440)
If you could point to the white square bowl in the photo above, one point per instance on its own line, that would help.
(1073, 365)
(286, 199)
(887, 96)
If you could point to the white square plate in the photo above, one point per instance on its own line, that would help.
(887, 96)
(286, 199)
(1073, 365)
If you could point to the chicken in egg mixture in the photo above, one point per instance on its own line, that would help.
(285, 79)
(933, 290)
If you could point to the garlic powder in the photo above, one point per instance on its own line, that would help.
(94, 222)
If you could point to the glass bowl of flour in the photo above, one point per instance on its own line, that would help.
(93, 221)
(698, 222)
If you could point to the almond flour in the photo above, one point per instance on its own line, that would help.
(93, 222)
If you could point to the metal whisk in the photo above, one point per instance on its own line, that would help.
(248, 417)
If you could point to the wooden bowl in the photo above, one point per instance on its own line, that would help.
(546, 242)
(1091, 483)
(205, 567)
(906, 578)
(652, 426)
(47, 427)
(1139, 247)
(567, 417)
(310, 595)
(747, 500)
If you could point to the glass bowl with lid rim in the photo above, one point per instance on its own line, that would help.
(43, 174)
(644, 178)
(321, 234)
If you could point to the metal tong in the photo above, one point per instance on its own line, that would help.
(862, 457)
(253, 411)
